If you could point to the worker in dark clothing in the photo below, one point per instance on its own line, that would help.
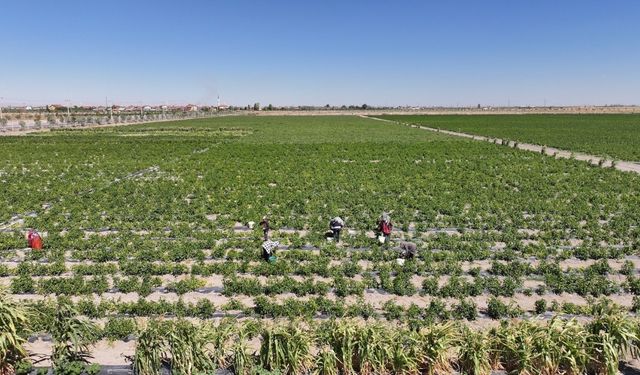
(384, 228)
(408, 250)
(265, 227)
(336, 225)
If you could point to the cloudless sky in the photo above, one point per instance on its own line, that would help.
(299, 52)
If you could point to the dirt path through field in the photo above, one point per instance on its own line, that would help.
(625, 166)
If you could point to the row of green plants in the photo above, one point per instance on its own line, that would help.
(168, 248)
(322, 307)
(332, 347)
(433, 260)
(583, 283)
(79, 285)
(349, 347)
(544, 232)
(126, 328)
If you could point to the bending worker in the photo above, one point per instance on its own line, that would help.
(269, 249)
(408, 250)
(34, 240)
(336, 225)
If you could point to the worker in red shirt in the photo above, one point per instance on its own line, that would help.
(34, 240)
(384, 228)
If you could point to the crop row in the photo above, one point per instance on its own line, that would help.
(329, 347)
(322, 307)
(355, 263)
(125, 326)
(463, 247)
(592, 280)
(516, 238)
(401, 286)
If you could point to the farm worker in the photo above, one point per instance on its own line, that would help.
(408, 250)
(269, 249)
(384, 228)
(265, 227)
(34, 240)
(336, 225)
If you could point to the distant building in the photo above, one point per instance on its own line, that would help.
(191, 108)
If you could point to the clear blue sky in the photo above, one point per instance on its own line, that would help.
(296, 52)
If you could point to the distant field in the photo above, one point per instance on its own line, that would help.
(616, 136)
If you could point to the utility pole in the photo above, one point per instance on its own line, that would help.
(110, 109)
(1, 100)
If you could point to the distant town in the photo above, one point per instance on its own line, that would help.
(116, 109)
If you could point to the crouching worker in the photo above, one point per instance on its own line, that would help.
(408, 250)
(336, 225)
(269, 250)
(34, 240)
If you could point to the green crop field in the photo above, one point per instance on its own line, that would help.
(616, 136)
(153, 220)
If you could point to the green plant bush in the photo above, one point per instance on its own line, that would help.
(119, 328)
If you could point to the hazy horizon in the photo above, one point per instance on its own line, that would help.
(289, 53)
